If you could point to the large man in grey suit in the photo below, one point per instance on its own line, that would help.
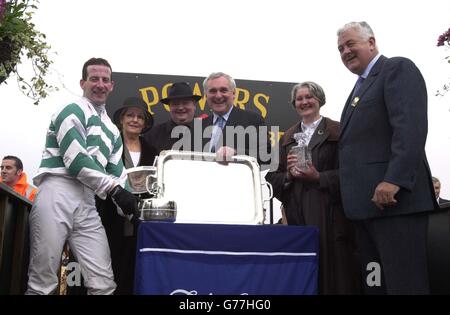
(385, 179)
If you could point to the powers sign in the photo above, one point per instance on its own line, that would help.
(268, 99)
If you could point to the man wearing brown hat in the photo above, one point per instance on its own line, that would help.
(179, 130)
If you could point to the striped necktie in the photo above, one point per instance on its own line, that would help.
(220, 123)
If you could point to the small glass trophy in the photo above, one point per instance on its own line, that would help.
(302, 151)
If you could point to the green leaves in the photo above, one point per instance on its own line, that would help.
(20, 41)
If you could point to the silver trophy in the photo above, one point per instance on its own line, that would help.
(302, 151)
(152, 205)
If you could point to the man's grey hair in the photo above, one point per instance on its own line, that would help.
(216, 75)
(363, 29)
(314, 88)
(435, 179)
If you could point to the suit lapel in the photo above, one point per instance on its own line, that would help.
(319, 136)
(352, 104)
(347, 104)
(128, 161)
(232, 119)
(288, 139)
(208, 121)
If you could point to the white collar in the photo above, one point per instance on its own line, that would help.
(224, 116)
(312, 125)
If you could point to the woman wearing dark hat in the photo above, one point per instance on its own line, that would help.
(311, 196)
(133, 119)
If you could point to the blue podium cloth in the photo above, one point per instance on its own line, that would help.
(203, 259)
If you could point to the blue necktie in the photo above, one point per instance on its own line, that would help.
(352, 104)
(220, 122)
(358, 84)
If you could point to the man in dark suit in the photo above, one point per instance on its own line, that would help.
(178, 132)
(437, 192)
(385, 179)
(233, 130)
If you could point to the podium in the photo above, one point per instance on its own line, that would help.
(219, 259)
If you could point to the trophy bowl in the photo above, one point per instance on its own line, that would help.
(141, 179)
(158, 209)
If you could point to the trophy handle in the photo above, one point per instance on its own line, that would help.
(151, 184)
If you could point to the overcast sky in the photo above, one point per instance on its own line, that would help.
(278, 40)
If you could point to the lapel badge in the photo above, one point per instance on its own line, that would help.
(355, 101)
(320, 132)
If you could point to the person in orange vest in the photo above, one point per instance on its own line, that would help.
(12, 175)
